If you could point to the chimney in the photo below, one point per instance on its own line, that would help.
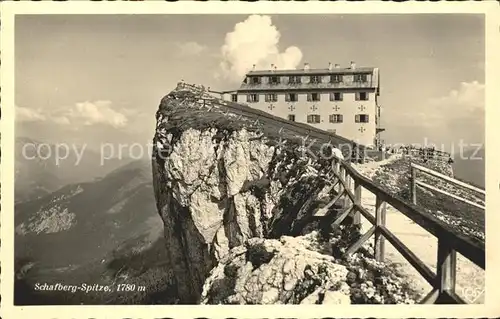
(253, 68)
(337, 66)
(272, 66)
(306, 67)
(330, 66)
(275, 67)
(353, 65)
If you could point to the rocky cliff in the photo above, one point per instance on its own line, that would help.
(223, 176)
(220, 179)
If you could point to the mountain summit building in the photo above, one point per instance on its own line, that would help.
(339, 100)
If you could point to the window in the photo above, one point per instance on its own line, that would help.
(362, 118)
(272, 97)
(336, 118)
(274, 80)
(313, 118)
(314, 79)
(234, 97)
(294, 79)
(291, 117)
(336, 96)
(255, 80)
(291, 97)
(313, 97)
(252, 98)
(335, 78)
(359, 77)
(361, 96)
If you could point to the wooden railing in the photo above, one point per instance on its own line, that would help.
(449, 241)
(426, 153)
(414, 182)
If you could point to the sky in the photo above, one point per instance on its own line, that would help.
(95, 79)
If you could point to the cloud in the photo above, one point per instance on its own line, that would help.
(467, 99)
(83, 113)
(454, 116)
(255, 41)
(190, 48)
(24, 114)
(98, 112)
(61, 120)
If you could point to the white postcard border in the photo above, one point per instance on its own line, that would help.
(492, 68)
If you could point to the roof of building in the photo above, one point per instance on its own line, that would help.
(313, 71)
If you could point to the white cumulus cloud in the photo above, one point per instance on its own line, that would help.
(467, 102)
(255, 41)
(98, 112)
(24, 114)
(469, 97)
(457, 115)
(83, 113)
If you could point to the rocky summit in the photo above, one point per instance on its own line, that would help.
(233, 191)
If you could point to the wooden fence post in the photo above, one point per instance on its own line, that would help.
(357, 197)
(348, 182)
(342, 176)
(336, 171)
(413, 184)
(380, 217)
(345, 178)
(446, 266)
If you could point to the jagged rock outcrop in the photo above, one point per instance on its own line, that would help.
(309, 269)
(270, 271)
(221, 179)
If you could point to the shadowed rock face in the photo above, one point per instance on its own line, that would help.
(220, 181)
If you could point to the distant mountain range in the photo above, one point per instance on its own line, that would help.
(86, 220)
(104, 231)
(37, 173)
(470, 166)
